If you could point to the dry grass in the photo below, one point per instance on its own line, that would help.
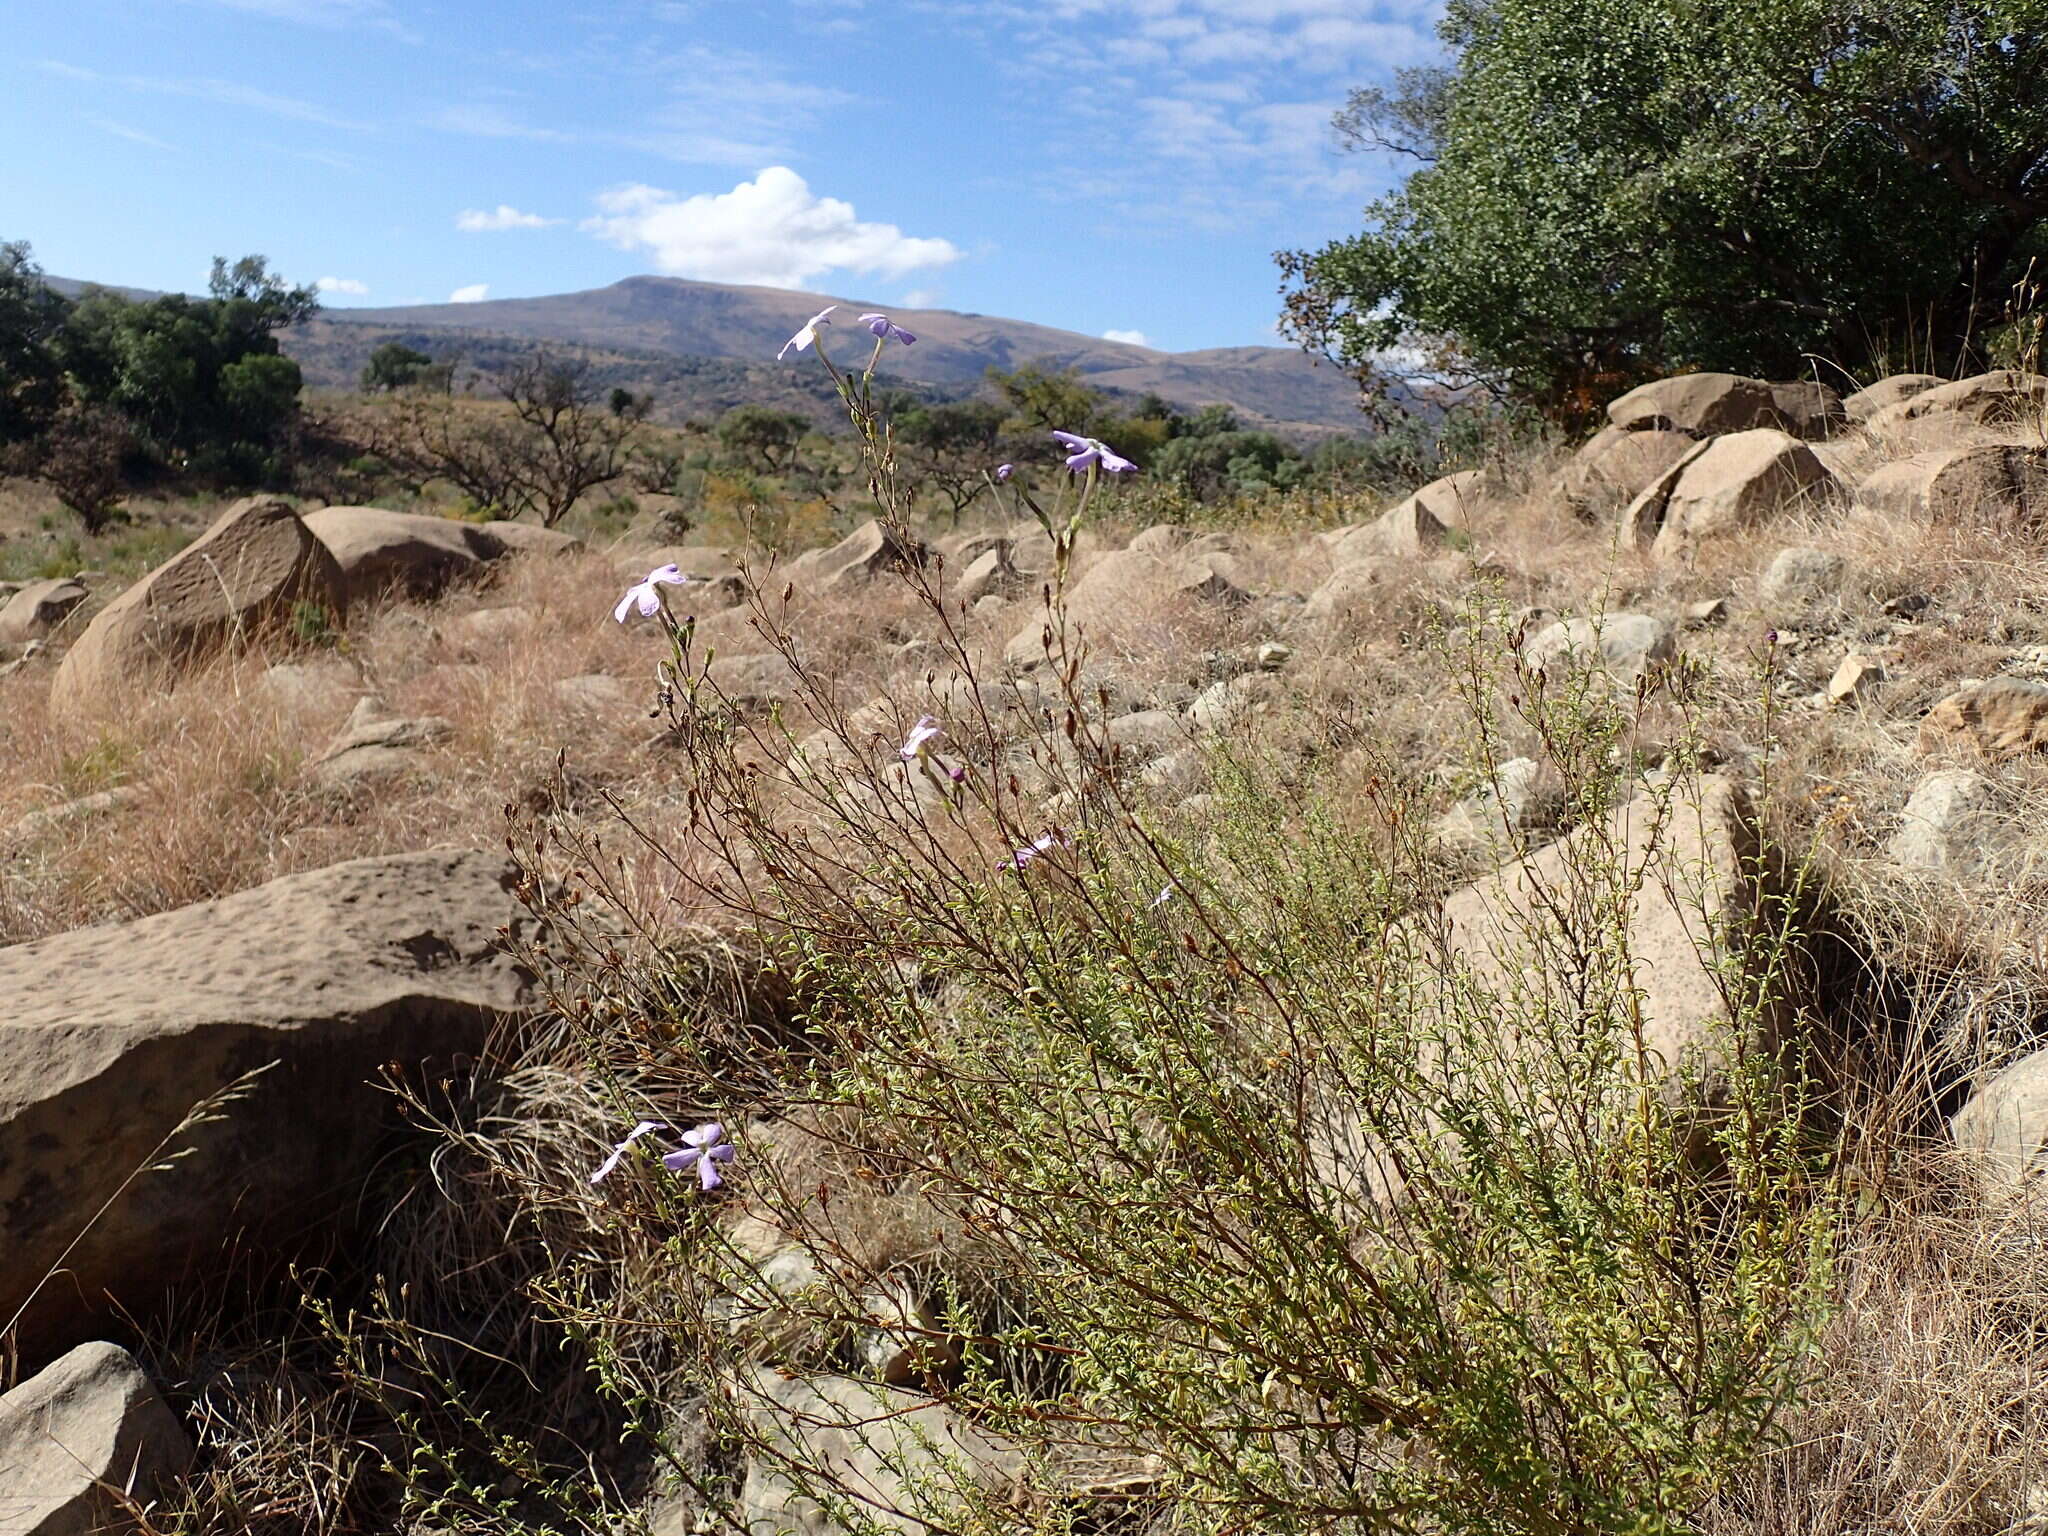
(1930, 1409)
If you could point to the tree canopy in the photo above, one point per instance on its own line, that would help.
(1606, 190)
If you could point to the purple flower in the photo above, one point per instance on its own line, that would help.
(643, 596)
(1045, 842)
(1089, 451)
(885, 328)
(1165, 895)
(704, 1149)
(803, 338)
(604, 1168)
(1004, 471)
(921, 734)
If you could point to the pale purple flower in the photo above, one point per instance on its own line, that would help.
(1165, 895)
(803, 338)
(885, 328)
(643, 596)
(604, 1168)
(921, 735)
(1004, 471)
(703, 1149)
(1045, 842)
(1089, 451)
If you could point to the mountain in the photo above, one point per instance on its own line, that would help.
(642, 319)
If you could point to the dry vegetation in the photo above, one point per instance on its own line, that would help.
(1931, 1407)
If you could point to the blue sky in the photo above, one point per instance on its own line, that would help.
(1103, 165)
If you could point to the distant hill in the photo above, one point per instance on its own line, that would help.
(648, 317)
(704, 347)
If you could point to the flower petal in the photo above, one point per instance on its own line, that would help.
(625, 605)
(1073, 440)
(707, 1174)
(603, 1169)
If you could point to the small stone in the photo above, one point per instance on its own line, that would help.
(1702, 614)
(1856, 676)
(77, 1436)
(1272, 656)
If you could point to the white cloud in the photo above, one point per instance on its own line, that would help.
(474, 293)
(1128, 338)
(504, 216)
(773, 231)
(341, 285)
(923, 298)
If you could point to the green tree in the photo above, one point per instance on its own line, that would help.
(1213, 463)
(951, 448)
(202, 382)
(1605, 190)
(32, 316)
(394, 366)
(761, 436)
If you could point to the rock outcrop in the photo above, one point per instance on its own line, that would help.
(108, 1036)
(1697, 404)
(240, 581)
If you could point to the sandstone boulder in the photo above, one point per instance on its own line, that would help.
(869, 551)
(1689, 862)
(1615, 464)
(238, 582)
(1809, 409)
(382, 551)
(531, 539)
(1698, 404)
(37, 609)
(1997, 400)
(1121, 583)
(1631, 646)
(2005, 717)
(1887, 392)
(2004, 1128)
(897, 1454)
(86, 1428)
(377, 744)
(1734, 483)
(1406, 529)
(1523, 796)
(109, 1035)
(1955, 823)
(1979, 484)
(1802, 586)
(991, 574)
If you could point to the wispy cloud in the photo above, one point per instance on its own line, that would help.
(1235, 95)
(123, 131)
(477, 221)
(336, 15)
(714, 106)
(473, 293)
(348, 285)
(1128, 338)
(772, 230)
(227, 93)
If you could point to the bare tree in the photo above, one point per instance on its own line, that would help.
(560, 439)
(575, 441)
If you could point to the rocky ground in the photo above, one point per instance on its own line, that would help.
(253, 808)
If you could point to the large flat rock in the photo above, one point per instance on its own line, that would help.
(108, 1035)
